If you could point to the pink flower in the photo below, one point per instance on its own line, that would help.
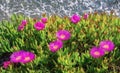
(6, 64)
(24, 22)
(86, 16)
(63, 35)
(44, 20)
(75, 19)
(107, 45)
(17, 56)
(39, 25)
(96, 52)
(27, 57)
(20, 27)
(55, 45)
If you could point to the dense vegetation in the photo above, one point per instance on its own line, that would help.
(73, 56)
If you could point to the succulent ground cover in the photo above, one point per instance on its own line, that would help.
(78, 44)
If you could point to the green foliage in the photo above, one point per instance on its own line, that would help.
(74, 56)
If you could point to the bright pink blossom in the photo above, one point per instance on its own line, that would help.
(75, 18)
(63, 35)
(44, 20)
(96, 52)
(17, 56)
(6, 64)
(86, 16)
(39, 25)
(20, 27)
(27, 57)
(22, 57)
(24, 22)
(55, 45)
(107, 45)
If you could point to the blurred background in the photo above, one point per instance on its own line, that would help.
(35, 8)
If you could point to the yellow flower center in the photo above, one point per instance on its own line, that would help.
(55, 47)
(18, 58)
(62, 36)
(97, 53)
(27, 58)
(106, 46)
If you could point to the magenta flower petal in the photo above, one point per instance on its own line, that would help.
(6, 64)
(75, 19)
(39, 25)
(86, 16)
(107, 45)
(44, 20)
(55, 45)
(20, 27)
(17, 56)
(28, 57)
(63, 35)
(96, 52)
(24, 22)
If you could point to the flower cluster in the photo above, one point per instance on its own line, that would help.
(38, 25)
(22, 57)
(104, 46)
(22, 25)
(61, 35)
